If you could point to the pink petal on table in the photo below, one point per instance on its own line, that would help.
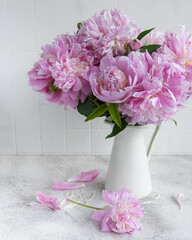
(84, 176)
(48, 201)
(36, 204)
(179, 197)
(59, 185)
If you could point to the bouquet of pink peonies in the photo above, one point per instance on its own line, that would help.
(111, 68)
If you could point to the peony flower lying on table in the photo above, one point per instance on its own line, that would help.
(111, 68)
(122, 216)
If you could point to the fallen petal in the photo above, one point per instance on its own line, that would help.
(48, 201)
(179, 197)
(59, 185)
(84, 176)
(36, 204)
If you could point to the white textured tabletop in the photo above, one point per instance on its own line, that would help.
(22, 176)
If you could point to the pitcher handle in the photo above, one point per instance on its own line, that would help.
(152, 142)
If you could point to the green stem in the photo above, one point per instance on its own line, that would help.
(83, 205)
(150, 148)
(94, 101)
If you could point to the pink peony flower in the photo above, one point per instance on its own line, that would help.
(123, 215)
(154, 37)
(113, 80)
(107, 33)
(179, 48)
(159, 94)
(61, 72)
(84, 176)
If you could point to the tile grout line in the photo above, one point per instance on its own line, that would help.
(13, 105)
(36, 46)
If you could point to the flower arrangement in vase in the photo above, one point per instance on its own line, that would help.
(111, 68)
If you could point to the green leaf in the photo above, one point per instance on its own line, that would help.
(113, 110)
(97, 112)
(174, 121)
(150, 48)
(117, 129)
(86, 108)
(144, 33)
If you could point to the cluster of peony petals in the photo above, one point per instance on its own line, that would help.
(61, 73)
(154, 37)
(106, 33)
(123, 215)
(159, 93)
(179, 48)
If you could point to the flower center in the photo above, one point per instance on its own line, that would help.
(75, 67)
(112, 79)
(188, 63)
(52, 87)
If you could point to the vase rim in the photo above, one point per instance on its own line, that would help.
(142, 126)
(129, 126)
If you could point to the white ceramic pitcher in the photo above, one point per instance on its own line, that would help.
(129, 162)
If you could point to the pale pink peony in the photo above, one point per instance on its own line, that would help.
(159, 95)
(61, 72)
(124, 214)
(154, 37)
(113, 80)
(179, 48)
(107, 33)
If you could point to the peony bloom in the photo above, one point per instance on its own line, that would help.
(154, 37)
(179, 48)
(61, 72)
(113, 80)
(159, 95)
(123, 215)
(107, 33)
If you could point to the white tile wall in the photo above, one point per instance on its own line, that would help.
(30, 125)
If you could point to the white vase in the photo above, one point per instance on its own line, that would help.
(129, 164)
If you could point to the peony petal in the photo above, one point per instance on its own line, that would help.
(59, 185)
(48, 201)
(84, 176)
(98, 215)
(179, 197)
(111, 197)
(36, 204)
(105, 224)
